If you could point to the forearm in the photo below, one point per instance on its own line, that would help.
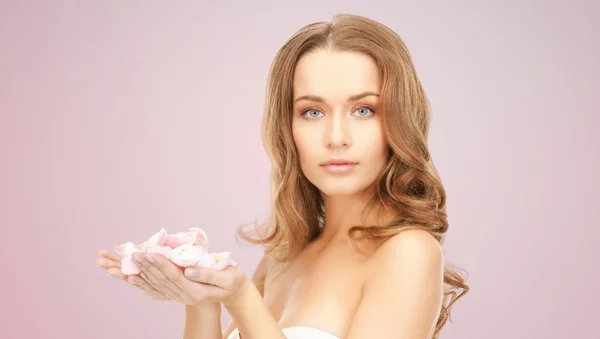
(251, 315)
(203, 322)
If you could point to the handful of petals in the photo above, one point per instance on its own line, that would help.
(184, 249)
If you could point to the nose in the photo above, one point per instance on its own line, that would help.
(337, 132)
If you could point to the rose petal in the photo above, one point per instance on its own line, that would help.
(128, 267)
(201, 237)
(222, 260)
(183, 249)
(164, 250)
(177, 239)
(154, 239)
(216, 261)
(207, 260)
(186, 255)
(162, 237)
(120, 249)
(150, 242)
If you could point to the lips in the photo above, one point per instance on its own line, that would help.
(339, 166)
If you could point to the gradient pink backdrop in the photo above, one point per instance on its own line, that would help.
(118, 118)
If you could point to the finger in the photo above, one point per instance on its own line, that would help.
(162, 268)
(141, 284)
(215, 284)
(158, 284)
(220, 278)
(161, 271)
(161, 290)
(150, 282)
(146, 288)
(106, 254)
(107, 263)
(116, 273)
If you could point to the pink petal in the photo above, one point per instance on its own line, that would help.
(222, 260)
(120, 249)
(128, 267)
(201, 237)
(152, 241)
(207, 260)
(164, 250)
(177, 239)
(216, 261)
(183, 249)
(162, 237)
(186, 255)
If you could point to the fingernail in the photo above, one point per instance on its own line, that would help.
(150, 257)
(191, 272)
(137, 258)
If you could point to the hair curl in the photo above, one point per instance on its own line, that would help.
(409, 184)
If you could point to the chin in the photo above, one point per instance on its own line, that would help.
(340, 191)
(335, 187)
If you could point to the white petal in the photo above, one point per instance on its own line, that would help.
(186, 255)
(207, 260)
(222, 259)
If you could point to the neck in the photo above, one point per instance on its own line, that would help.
(344, 212)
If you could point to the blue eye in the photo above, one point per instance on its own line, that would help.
(312, 113)
(364, 111)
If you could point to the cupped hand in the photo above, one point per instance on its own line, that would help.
(192, 286)
(112, 265)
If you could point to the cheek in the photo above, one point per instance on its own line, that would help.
(302, 140)
(378, 156)
(382, 149)
(375, 146)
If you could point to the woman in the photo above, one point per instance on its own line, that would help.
(354, 241)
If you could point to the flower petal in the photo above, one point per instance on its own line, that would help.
(186, 255)
(183, 249)
(128, 267)
(177, 239)
(201, 237)
(164, 250)
(216, 261)
(150, 242)
(222, 260)
(207, 260)
(120, 249)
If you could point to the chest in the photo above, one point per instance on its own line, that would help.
(321, 290)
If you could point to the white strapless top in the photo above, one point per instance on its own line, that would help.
(296, 332)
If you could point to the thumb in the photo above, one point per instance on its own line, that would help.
(205, 275)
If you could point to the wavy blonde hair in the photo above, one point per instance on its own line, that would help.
(409, 185)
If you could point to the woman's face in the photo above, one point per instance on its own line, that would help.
(335, 125)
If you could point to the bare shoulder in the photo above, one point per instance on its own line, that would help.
(412, 253)
(415, 246)
(405, 274)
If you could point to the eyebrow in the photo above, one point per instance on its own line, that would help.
(350, 98)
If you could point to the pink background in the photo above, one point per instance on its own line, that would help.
(119, 118)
